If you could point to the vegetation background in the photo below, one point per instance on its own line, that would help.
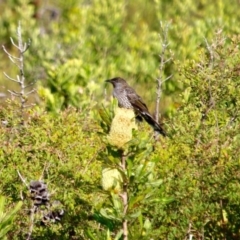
(75, 46)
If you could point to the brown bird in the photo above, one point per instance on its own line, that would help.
(128, 98)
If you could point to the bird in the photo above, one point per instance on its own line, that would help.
(128, 98)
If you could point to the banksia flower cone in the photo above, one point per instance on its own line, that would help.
(122, 125)
(111, 180)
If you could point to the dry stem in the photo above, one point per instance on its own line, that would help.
(124, 196)
(19, 62)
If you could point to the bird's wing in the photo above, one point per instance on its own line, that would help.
(135, 100)
(141, 109)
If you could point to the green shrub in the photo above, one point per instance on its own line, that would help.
(63, 140)
(6, 219)
(201, 161)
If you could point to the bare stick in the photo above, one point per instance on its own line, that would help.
(14, 93)
(13, 43)
(163, 61)
(46, 166)
(22, 178)
(32, 217)
(19, 62)
(124, 196)
(32, 91)
(9, 55)
(32, 210)
(29, 105)
(30, 84)
(12, 79)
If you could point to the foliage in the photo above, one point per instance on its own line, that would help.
(201, 162)
(6, 219)
(129, 179)
(48, 148)
(185, 186)
(102, 39)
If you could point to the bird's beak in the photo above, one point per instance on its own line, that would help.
(108, 81)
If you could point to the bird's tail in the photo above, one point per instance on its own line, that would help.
(151, 121)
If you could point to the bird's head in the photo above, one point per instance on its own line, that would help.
(117, 82)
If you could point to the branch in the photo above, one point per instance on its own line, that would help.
(211, 53)
(19, 62)
(32, 210)
(30, 84)
(46, 166)
(22, 178)
(12, 79)
(14, 93)
(13, 43)
(124, 196)
(29, 105)
(164, 43)
(5, 50)
(26, 46)
(32, 91)
(32, 217)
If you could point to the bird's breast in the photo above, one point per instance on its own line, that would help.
(122, 99)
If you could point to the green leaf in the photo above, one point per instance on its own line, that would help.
(6, 218)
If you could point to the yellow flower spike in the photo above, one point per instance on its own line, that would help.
(121, 128)
(111, 180)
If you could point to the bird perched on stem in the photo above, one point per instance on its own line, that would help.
(128, 98)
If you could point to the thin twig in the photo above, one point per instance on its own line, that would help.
(29, 105)
(32, 217)
(211, 53)
(14, 93)
(27, 45)
(30, 84)
(5, 50)
(22, 178)
(14, 44)
(163, 61)
(46, 166)
(19, 62)
(12, 60)
(12, 79)
(32, 91)
(124, 196)
(32, 210)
